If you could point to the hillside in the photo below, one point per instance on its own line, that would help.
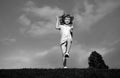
(59, 73)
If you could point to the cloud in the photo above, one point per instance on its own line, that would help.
(110, 43)
(11, 39)
(39, 21)
(45, 12)
(24, 20)
(41, 54)
(79, 55)
(41, 28)
(50, 58)
(23, 58)
(93, 12)
(8, 40)
(30, 4)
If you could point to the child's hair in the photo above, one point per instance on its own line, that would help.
(62, 18)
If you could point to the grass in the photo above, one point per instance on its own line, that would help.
(59, 73)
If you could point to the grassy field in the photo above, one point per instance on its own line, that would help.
(59, 73)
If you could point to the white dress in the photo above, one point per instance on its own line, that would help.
(65, 33)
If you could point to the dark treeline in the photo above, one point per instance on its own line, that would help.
(60, 73)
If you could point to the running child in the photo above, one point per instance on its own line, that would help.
(65, 25)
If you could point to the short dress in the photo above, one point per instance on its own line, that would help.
(65, 33)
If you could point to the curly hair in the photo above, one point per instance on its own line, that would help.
(62, 18)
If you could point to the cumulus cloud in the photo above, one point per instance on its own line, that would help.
(93, 12)
(30, 4)
(21, 58)
(42, 21)
(45, 12)
(41, 28)
(24, 20)
(7, 40)
(10, 39)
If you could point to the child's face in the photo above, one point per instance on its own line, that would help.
(67, 20)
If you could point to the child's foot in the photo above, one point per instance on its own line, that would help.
(67, 55)
(65, 67)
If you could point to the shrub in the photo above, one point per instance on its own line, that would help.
(96, 61)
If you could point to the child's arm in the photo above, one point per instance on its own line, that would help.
(72, 27)
(71, 31)
(57, 24)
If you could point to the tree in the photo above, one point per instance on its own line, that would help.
(96, 61)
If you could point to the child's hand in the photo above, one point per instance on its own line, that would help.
(57, 18)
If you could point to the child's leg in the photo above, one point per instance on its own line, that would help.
(63, 47)
(69, 42)
(64, 62)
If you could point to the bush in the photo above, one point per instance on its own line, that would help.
(96, 61)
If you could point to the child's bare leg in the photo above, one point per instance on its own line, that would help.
(63, 47)
(69, 42)
(64, 62)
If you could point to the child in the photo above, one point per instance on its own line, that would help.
(65, 25)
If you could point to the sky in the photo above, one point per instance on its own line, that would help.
(28, 38)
